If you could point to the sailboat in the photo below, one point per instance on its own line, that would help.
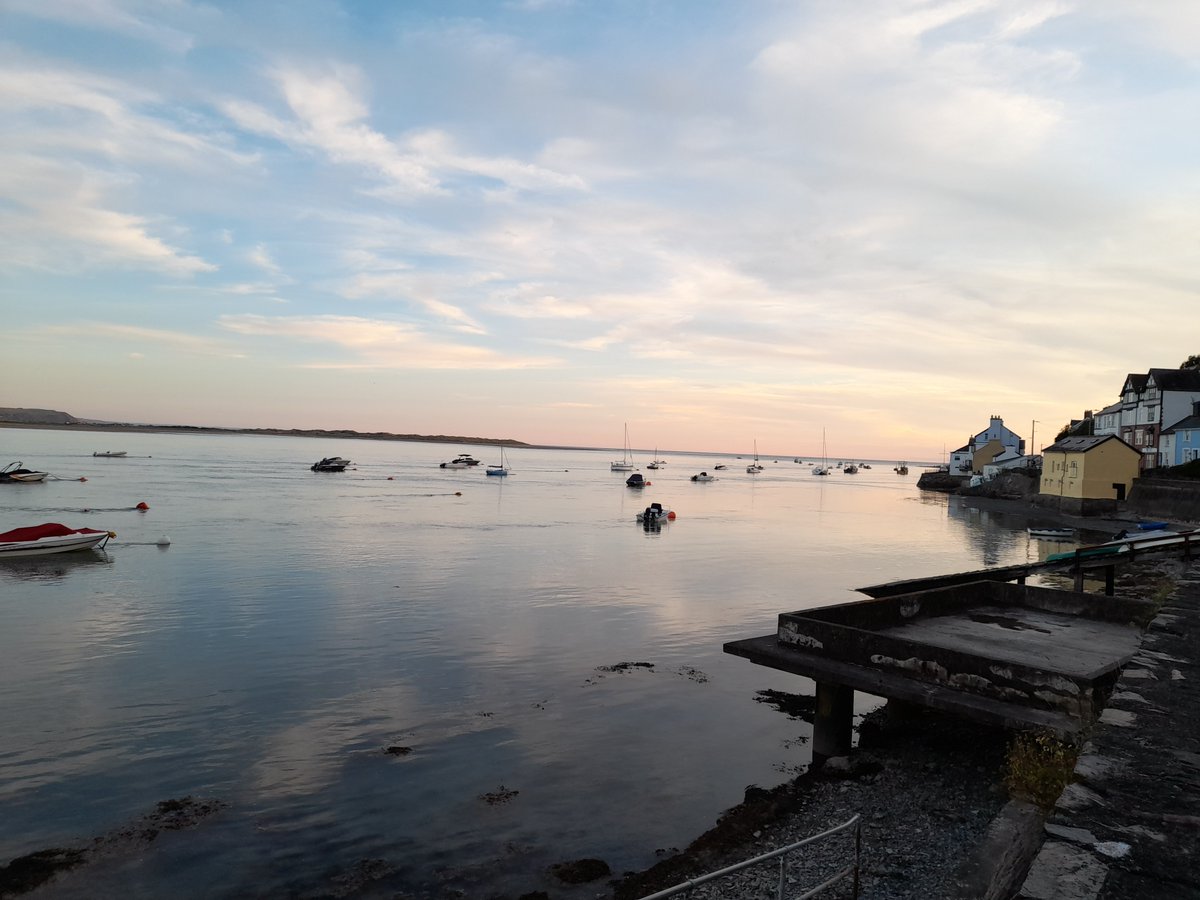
(501, 469)
(823, 468)
(754, 468)
(625, 463)
(656, 462)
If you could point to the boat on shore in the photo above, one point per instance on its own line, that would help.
(110, 454)
(52, 537)
(330, 464)
(16, 473)
(1053, 534)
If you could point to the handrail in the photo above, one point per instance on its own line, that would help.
(780, 854)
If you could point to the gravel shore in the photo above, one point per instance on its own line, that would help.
(926, 788)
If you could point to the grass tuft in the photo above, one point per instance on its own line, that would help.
(1039, 766)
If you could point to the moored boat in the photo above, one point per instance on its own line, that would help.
(110, 454)
(331, 464)
(636, 480)
(704, 476)
(654, 513)
(1058, 534)
(501, 470)
(40, 540)
(462, 461)
(625, 463)
(16, 473)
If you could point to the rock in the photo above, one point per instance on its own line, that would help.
(580, 871)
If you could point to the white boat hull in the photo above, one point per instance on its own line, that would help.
(67, 543)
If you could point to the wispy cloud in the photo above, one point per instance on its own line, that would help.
(374, 343)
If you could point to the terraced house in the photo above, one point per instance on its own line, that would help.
(1153, 403)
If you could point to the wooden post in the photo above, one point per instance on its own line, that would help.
(1110, 580)
(1078, 578)
(833, 723)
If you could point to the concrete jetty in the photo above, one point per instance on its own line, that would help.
(999, 653)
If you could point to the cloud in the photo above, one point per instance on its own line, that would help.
(135, 18)
(148, 339)
(331, 115)
(375, 343)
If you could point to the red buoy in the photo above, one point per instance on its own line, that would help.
(671, 516)
(143, 506)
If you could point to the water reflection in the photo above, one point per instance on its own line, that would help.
(52, 567)
(301, 623)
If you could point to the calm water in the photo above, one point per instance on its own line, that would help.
(299, 623)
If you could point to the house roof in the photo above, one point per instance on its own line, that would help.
(1135, 382)
(1183, 425)
(1108, 410)
(1176, 379)
(1084, 443)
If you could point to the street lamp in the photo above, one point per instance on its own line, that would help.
(1032, 445)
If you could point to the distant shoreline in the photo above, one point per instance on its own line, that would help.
(346, 434)
(324, 434)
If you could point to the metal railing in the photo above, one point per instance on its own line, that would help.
(850, 871)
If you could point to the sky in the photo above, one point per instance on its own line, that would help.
(718, 223)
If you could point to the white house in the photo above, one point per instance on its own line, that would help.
(1004, 443)
(1152, 401)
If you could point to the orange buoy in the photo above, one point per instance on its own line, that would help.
(671, 516)
(143, 506)
(83, 479)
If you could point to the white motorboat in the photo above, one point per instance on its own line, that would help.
(330, 464)
(704, 476)
(654, 514)
(462, 461)
(625, 463)
(111, 454)
(15, 472)
(40, 540)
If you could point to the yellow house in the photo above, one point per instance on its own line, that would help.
(985, 454)
(1089, 473)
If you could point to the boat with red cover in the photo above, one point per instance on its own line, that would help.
(39, 540)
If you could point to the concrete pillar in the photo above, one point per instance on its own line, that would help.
(834, 721)
(1110, 580)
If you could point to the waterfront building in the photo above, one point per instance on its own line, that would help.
(997, 440)
(1152, 401)
(1088, 474)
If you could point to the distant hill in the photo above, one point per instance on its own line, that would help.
(36, 416)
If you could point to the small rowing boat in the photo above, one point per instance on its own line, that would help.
(110, 454)
(40, 540)
(1052, 534)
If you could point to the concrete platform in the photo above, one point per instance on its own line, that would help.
(999, 653)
